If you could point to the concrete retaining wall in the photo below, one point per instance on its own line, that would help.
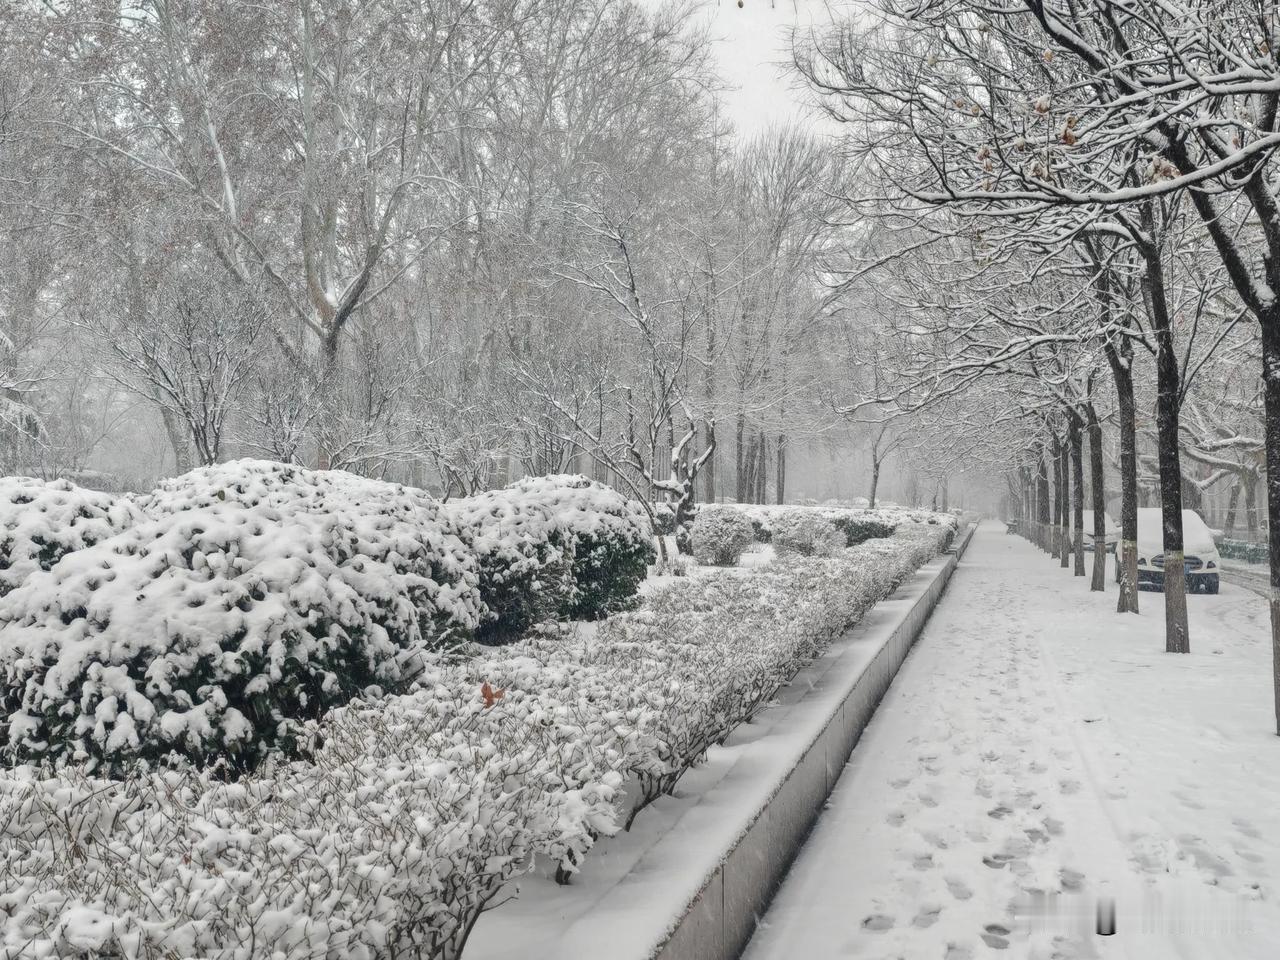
(720, 921)
(705, 863)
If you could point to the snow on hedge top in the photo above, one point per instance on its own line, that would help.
(890, 516)
(393, 524)
(538, 509)
(254, 593)
(43, 520)
(585, 507)
(498, 522)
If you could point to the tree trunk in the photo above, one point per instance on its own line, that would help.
(182, 460)
(1271, 395)
(1030, 507)
(762, 470)
(1251, 507)
(1121, 361)
(1233, 502)
(330, 403)
(875, 481)
(1028, 504)
(781, 473)
(740, 474)
(1055, 533)
(1168, 402)
(1043, 508)
(709, 383)
(1077, 494)
(1062, 506)
(1099, 500)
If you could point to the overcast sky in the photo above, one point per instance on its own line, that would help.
(753, 50)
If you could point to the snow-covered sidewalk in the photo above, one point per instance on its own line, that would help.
(1037, 743)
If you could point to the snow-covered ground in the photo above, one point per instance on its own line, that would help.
(1036, 742)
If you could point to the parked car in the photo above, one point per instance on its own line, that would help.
(1201, 562)
(1112, 528)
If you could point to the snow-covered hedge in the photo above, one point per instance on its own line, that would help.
(703, 654)
(1244, 550)
(547, 547)
(406, 817)
(256, 595)
(524, 559)
(387, 842)
(403, 529)
(612, 540)
(857, 523)
(664, 518)
(858, 529)
(805, 532)
(41, 521)
(720, 536)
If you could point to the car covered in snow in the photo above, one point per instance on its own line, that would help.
(1112, 528)
(1201, 562)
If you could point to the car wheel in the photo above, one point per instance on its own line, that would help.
(1211, 584)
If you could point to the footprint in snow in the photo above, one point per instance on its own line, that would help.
(999, 813)
(996, 936)
(957, 951)
(1247, 828)
(878, 923)
(1071, 880)
(1208, 862)
(1017, 847)
(1188, 802)
(927, 916)
(1244, 853)
(1069, 787)
(935, 840)
(896, 818)
(958, 888)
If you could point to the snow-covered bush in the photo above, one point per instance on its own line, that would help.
(405, 817)
(928, 537)
(256, 595)
(41, 521)
(761, 527)
(675, 565)
(703, 654)
(857, 529)
(720, 535)
(387, 842)
(524, 559)
(612, 540)
(664, 518)
(858, 523)
(807, 533)
(400, 528)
